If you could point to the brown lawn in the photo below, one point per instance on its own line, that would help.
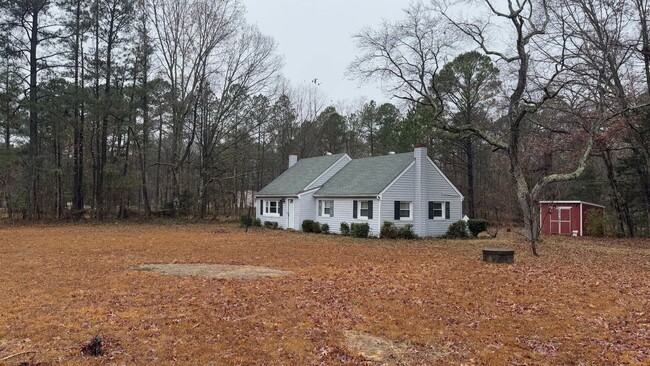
(584, 301)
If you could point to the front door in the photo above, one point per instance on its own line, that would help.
(290, 215)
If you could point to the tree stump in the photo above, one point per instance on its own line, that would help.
(498, 255)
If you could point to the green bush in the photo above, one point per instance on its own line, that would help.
(271, 224)
(457, 230)
(406, 232)
(308, 226)
(360, 230)
(325, 229)
(345, 229)
(477, 226)
(245, 221)
(317, 228)
(389, 231)
(275, 225)
(595, 222)
(257, 222)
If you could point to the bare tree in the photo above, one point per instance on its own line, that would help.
(409, 55)
(246, 66)
(188, 34)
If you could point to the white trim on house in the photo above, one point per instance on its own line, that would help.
(307, 192)
(445, 178)
(395, 180)
(359, 215)
(443, 209)
(267, 208)
(322, 207)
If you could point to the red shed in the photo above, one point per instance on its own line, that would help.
(565, 217)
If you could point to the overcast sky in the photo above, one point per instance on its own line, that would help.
(314, 36)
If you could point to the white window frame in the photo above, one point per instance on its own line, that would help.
(410, 216)
(322, 206)
(442, 210)
(267, 208)
(359, 207)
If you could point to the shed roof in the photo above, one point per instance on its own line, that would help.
(295, 179)
(574, 201)
(366, 177)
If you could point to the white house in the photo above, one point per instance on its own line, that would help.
(402, 188)
(288, 200)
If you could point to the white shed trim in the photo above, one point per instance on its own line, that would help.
(581, 202)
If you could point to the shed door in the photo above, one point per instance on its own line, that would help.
(560, 221)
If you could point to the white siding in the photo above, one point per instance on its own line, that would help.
(281, 220)
(329, 173)
(402, 190)
(343, 213)
(439, 190)
(434, 188)
(306, 209)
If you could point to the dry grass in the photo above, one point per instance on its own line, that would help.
(584, 301)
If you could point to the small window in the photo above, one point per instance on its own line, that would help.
(271, 208)
(327, 208)
(438, 210)
(405, 211)
(363, 210)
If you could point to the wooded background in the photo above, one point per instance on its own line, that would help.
(116, 108)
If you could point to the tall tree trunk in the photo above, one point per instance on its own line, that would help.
(160, 132)
(59, 201)
(33, 149)
(145, 142)
(78, 163)
(469, 154)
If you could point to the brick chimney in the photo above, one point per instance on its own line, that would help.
(420, 204)
(293, 159)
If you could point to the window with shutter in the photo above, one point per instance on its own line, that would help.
(436, 210)
(364, 210)
(405, 210)
(271, 208)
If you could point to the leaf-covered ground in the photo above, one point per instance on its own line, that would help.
(584, 301)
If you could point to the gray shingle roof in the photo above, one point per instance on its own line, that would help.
(299, 176)
(366, 177)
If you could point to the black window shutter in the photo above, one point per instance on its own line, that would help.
(354, 209)
(447, 211)
(430, 210)
(332, 209)
(369, 210)
(261, 207)
(320, 207)
(397, 205)
(280, 207)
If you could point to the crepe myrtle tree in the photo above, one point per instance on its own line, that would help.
(407, 56)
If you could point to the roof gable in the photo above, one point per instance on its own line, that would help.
(366, 177)
(295, 179)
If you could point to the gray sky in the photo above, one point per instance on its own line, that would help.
(314, 36)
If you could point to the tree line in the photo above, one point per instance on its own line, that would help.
(116, 108)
